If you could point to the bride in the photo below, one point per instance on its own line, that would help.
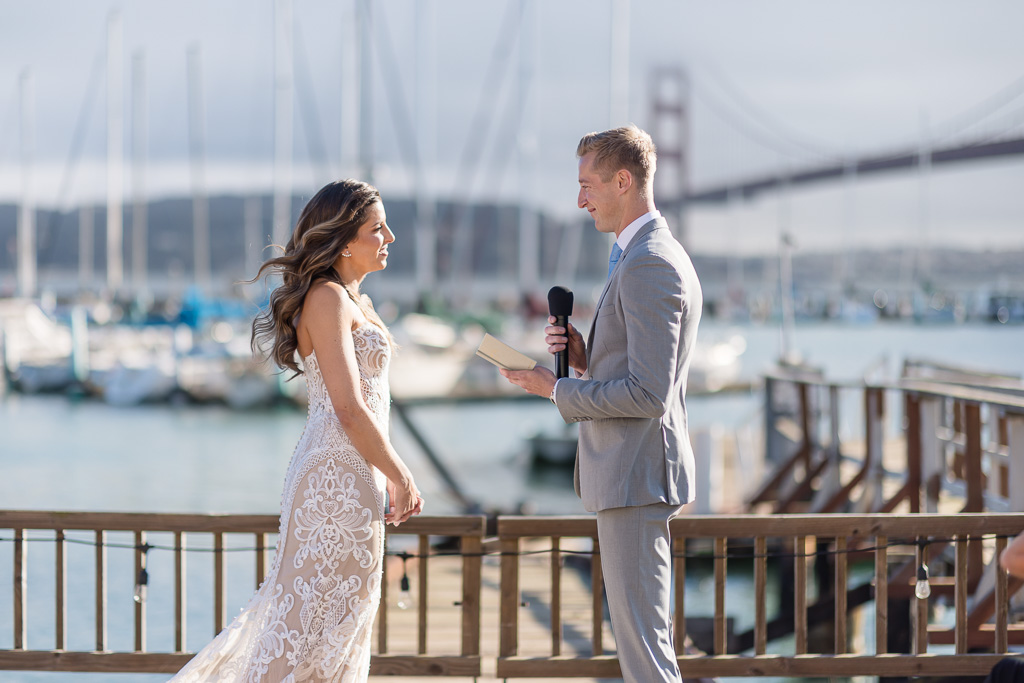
(312, 616)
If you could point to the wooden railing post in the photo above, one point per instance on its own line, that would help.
(1015, 478)
(556, 596)
(840, 595)
(972, 455)
(760, 595)
(179, 591)
(261, 558)
(806, 426)
(1015, 430)
(140, 602)
(20, 590)
(101, 591)
(472, 561)
(772, 438)
(1002, 604)
(919, 606)
(833, 480)
(382, 611)
(933, 458)
(912, 408)
(975, 488)
(874, 438)
(421, 607)
(800, 594)
(60, 616)
(960, 594)
(720, 618)
(881, 595)
(508, 645)
(597, 600)
(219, 603)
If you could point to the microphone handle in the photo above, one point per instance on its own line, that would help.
(562, 357)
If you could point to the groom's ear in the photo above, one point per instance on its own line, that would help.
(623, 180)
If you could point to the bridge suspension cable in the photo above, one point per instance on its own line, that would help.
(981, 111)
(777, 131)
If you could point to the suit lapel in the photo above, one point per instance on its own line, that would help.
(641, 234)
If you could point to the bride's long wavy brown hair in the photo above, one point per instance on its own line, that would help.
(328, 223)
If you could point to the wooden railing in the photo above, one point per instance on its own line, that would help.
(958, 446)
(184, 536)
(866, 557)
(884, 542)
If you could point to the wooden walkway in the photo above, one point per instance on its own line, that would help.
(445, 577)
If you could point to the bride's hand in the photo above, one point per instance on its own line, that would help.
(405, 502)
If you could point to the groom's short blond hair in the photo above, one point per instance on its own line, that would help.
(627, 147)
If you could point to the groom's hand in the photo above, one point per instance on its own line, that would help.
(539, 381)
(559, 338)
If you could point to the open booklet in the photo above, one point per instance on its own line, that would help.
(504, 356)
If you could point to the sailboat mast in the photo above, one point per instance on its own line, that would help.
(529, 224)
(197, 153)
(365, 11)
(26, 210)
(253, 227)
(86, 255)
(283, 112)
(140, 134)
(426, 228)
(115, 154)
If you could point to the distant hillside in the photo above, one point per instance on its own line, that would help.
(491, 230)
(492, 251)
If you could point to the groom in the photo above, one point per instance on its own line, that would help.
(634, 467)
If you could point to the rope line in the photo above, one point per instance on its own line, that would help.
(404, 555)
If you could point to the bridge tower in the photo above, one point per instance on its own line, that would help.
(669, 117)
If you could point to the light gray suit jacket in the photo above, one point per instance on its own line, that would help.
(634, 448)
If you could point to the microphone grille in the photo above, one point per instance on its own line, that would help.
(560, 301)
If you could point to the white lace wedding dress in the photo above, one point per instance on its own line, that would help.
(312, 617)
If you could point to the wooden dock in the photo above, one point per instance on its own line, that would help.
(535, 635)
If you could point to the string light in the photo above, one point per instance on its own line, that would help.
(922, 589)
(404, 597)
(732, 554)
(141, 586)
(142, 580)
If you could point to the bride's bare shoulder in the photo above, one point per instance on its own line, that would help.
(328, 301)
(327, 296)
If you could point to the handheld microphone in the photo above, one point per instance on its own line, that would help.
(560, 306)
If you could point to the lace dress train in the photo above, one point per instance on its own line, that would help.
(312, 617)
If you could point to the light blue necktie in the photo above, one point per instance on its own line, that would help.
(614, 258)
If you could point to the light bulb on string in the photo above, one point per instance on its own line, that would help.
(404, 597)
(142, 580)
(141, 586)
(922, 589)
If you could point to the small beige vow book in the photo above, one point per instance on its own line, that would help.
(504, 356)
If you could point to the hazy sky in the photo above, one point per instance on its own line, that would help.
(495, 95)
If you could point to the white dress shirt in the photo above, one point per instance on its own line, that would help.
(633, 228)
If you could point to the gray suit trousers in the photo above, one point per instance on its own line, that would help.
(636, 559)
